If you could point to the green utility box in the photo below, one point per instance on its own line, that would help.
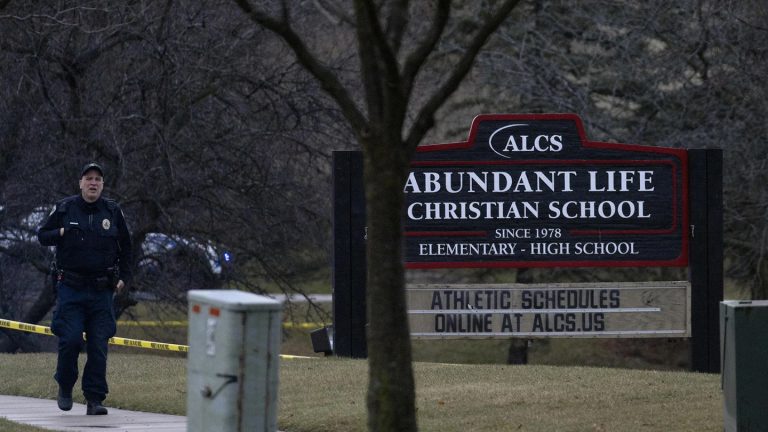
(744, 350)
(233, 359)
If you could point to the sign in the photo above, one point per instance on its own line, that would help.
(636, 309)
(532, 191)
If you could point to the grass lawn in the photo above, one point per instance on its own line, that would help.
(9, 426)
(329, 394)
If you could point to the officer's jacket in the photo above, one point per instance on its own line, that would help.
(96, 236)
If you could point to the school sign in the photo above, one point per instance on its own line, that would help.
(531, 190)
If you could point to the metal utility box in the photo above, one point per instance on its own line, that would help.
(744, 350)
(233, 359)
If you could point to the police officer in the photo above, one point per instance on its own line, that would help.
(93, 255)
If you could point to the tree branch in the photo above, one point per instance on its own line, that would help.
(425, 118)
(416, 59)
(396, 23)
(380, 69)
(368, 22)
(327, 79)
(334, 13)
(367, 52)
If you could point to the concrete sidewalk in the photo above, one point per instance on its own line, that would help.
(44, 413)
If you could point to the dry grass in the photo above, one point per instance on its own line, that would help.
(329, 394)
(8, 426)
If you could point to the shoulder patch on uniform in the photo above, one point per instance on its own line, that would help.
(62, 205)
(111, 204)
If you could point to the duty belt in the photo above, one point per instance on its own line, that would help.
(101, 281)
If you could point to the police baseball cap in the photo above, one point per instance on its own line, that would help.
(92, 166)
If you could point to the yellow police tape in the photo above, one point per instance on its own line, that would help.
(136, 343)
(32, 328)
(287, 324)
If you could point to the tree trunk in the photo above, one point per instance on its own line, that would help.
(391, 395)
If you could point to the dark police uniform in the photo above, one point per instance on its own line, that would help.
(92, 255)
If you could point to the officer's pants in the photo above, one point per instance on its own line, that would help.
(83, 310)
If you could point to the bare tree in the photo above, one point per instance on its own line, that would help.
(209, 143)
(395, 41)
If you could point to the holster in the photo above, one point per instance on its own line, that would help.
(55, 274)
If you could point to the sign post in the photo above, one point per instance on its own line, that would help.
(349, 256)
(706, 263)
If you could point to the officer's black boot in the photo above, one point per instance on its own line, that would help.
(95, 408)
(64, 399)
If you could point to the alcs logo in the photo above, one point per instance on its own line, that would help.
(504, 141)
